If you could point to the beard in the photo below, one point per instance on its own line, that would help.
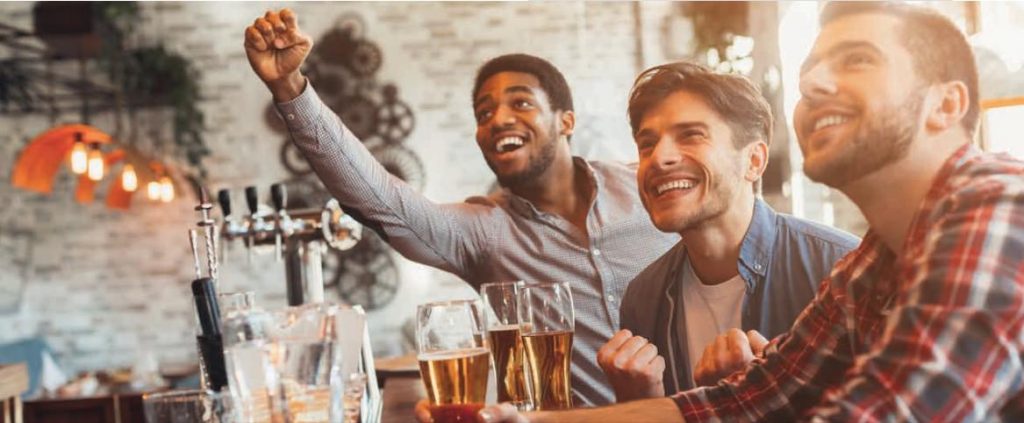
(876, 144)
(714, 204)
(538, 164)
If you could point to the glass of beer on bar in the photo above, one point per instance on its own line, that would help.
(453, 357)
(547, 322)
(500, 303)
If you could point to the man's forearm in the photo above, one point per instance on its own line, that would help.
(288, 88)
(650, 410)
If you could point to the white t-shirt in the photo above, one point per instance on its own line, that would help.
(710, 310)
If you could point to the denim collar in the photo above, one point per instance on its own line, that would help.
(758, 244)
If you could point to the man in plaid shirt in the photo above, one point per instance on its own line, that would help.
(923, 321)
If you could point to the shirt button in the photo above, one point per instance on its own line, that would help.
(291, 116)
(611, 298)
(757, 266)
(596, 252)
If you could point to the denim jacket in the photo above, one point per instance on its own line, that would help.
(782, 259)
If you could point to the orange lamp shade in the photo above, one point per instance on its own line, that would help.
(40, 161)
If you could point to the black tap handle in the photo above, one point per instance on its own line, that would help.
(279, 196)
(251, 199)
(224, 198)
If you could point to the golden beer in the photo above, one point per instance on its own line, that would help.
(548, 354)
(456, 377)
(507, 348)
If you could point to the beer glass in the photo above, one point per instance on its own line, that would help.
(505, 342)
(546, 321)
(453, 357)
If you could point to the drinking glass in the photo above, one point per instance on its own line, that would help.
(547, 322)
(506, 344)
(453, 358)
(186, 406)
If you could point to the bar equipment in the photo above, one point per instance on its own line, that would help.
(299, 237)
(204, 296)
(547, 323)
(453, 358)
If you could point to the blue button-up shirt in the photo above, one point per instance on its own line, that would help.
(782, 259)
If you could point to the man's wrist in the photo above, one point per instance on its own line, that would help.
(288, 88)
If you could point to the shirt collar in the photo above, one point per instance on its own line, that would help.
(526, 208)
(757, 245)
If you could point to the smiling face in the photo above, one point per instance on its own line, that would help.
(862, 100)
(516, 129)
(690, 171)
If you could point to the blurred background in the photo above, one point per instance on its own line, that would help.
(96, 274)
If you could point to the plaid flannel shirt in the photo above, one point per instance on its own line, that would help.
(932, 333)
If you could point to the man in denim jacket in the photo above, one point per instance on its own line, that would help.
(740, 266)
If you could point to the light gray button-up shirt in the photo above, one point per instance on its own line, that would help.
(501, 237)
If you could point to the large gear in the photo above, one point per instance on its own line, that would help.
(293, 160)
(403, 163)
(359, 114)
(366, 275)
(365, 59)
(394, 122)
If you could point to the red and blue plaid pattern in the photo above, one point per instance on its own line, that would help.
(932, 333)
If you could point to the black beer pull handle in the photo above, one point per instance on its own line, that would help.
(252, 199)
(224, 199)
(279, 196)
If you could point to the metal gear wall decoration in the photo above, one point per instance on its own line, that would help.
(342, 67)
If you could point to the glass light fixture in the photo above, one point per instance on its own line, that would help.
(166, 189)
(79, 156)
(129, 181)
(95, 163)
(153, 190)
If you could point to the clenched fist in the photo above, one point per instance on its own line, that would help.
(729, 353)
(276, 50)
(633, 367)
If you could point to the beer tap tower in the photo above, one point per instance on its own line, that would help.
(299, 237)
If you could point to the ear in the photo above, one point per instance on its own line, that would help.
(757, 160)
(568, 120)
(951, 101)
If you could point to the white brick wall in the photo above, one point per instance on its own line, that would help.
(102, 285)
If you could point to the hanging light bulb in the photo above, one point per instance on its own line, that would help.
(95, 163)
(129, 181)
(79, 156)
(166, 189)
(153, 190)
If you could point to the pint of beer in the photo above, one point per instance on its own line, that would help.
(547, 322)
(500, 304)
(453, 357)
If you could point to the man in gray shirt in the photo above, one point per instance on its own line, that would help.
(557, 218)
(740, 266)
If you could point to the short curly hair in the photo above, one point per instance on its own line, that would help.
(551, 80)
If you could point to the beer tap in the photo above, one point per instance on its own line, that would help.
(299, 237)
(230, 223)
(251, 200)
(279, 196)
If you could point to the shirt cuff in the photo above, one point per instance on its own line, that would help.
(301, 111)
